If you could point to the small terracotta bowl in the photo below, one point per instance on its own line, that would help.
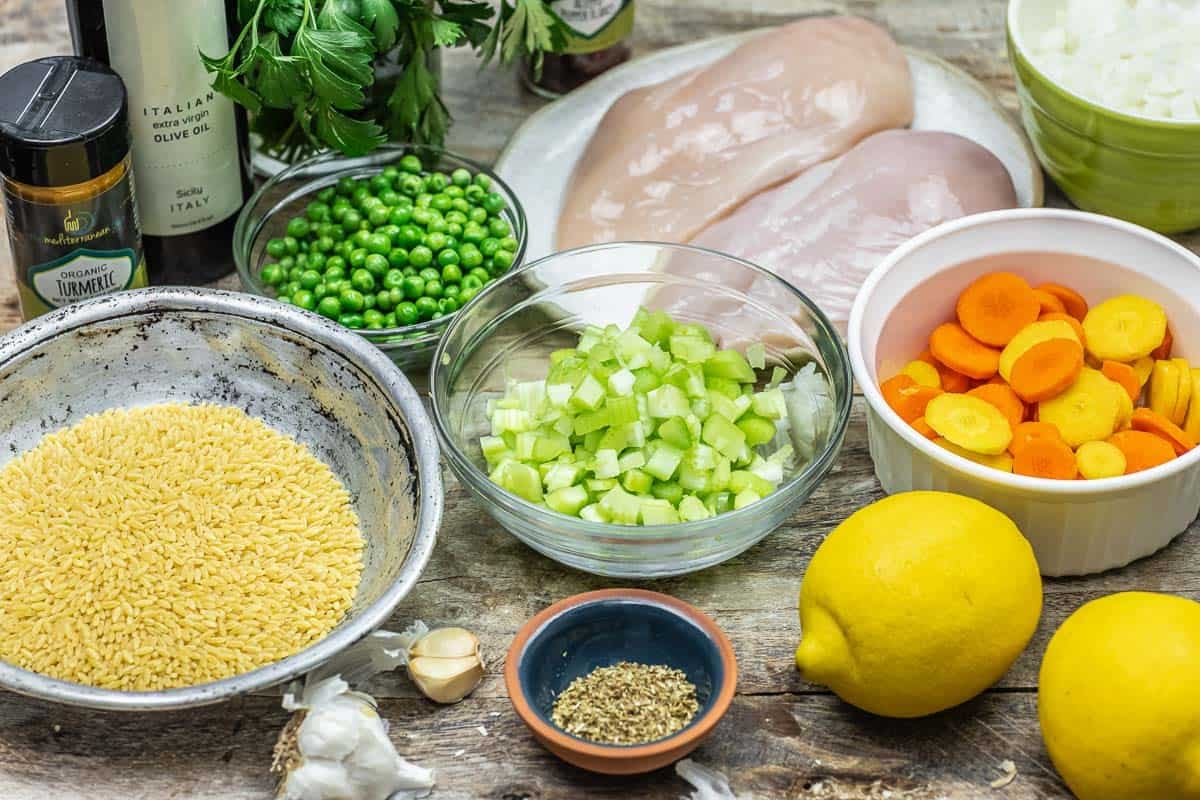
(598, 629)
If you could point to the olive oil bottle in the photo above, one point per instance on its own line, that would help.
(191, 155)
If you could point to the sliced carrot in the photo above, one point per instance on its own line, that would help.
(1026, 432)
(1000, 461)
(952, 381)
(923, 373)
(1125, 375)
(1028, 337)
(1046, 458)
(969, 422)
(1004, 399)
(1142, 450)
(1163, 351)
(1075, 324)
(907, 397)
(959, 351)
(1144, 367)
(1152, 422)
(1099, 460)
(1050, 304)
(922, 427)
(1072, 301)
(1184, 400)
(1047, 369)
(996, 306)
(1125, 328)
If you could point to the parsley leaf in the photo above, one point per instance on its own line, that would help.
(527, 27)
(225, 80)
(335, 17)
(280, 82)
(339, 65)
(283, 16)
(353, 137)
(382, 18)
(471, 17)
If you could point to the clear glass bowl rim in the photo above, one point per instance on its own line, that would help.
(242, 243)
(466, 469)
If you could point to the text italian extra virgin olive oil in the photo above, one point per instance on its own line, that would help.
(191, 156)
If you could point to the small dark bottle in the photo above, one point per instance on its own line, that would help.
(191, 153)
(598, 41)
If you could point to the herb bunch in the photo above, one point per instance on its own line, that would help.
(306, 69)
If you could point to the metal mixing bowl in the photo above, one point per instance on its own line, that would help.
(323, 385)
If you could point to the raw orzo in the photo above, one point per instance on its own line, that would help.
(170, 545)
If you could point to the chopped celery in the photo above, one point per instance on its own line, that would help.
(702, 408)
(562, 355)
(492, 446)
(692, 478)
(621, 382)
(622, 508)
(667, 401)
(770, 470)
(718, 481)
(778, 376)
(769, 404)
(591, 422)
(637, 481)
(560, 476)
(645, 380)
(591, 442)
(515, 420)
(741, 480)
(631, 460)
(568, 500)
(723, 435)
(520, 479)
(719, 503)
(724, 406)
(729, 364)
(745, 498)
(692, 349)
(664, 461)
(593, 513)
(621, 410)
(693, 330)
(668, 490)
(675, 432)
(758, 430)
(654, 326)
(692, 509)
(606, 464)
(725, 386)
(702, 457)
(598, 485)
(589, 394)
(658, 512)
(756, 354)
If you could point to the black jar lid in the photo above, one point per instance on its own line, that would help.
(63, 120)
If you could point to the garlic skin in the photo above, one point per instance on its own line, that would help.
(446, 664)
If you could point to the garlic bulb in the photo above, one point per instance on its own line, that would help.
(446, 664)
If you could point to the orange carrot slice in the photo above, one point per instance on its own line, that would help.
(1046, 458)
(922, 427)
(952, 381)
(1152, 422)
(1125, 375)
(1163, 351)
(959, 351)
(1026, 432)
(907, 397)
(996, 306)
(1142, 450)
(1072, 301)
(1050, 304)
(1004, 399)
(1075, 324)
(1047, 369)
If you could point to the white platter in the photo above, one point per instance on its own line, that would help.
(539, 159)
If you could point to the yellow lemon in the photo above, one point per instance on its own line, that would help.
(1119, 698)
(917, 603)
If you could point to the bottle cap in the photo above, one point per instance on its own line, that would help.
(63, 120)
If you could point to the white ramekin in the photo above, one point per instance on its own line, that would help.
(1076, 527)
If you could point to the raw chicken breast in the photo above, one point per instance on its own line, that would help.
(667, 160)
(827, 229)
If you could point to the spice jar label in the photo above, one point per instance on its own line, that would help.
(82, 274)
(594, 24)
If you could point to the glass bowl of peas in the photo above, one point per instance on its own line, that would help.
(390, 245)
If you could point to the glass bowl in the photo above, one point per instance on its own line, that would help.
(266, 214)
(508, 330)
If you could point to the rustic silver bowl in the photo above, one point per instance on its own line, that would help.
(322, 384)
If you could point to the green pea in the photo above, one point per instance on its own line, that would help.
(466, 295)
(456, 217)
(441, 202)
(334, 273)
(383, 300)
(319, 291)
(283, 298)
(410, 163)
(454, 193)
(436, 241)
(498, 228)
(398, 258)
(422, 200)
(373, 317)
(478, 215)
(407, 314)
(291, 244)
(358, 258)
(471, 282)
(474, 232)
(454, 230)
(379, 215)
(430, 274)
(328, 194)
(316, 260)
(421, 216)
(338, 213)
(409, 271)
(480, 274)
(469, 256)
(437, 225)
(460, 205)
(272, 275)
(503, 259)
(304, 298)
(379, 244)
(411, 185)
(361, 238)
(377, 265)
(361, 192)
(329, 307)
(400, 216)
(369, 300)
(447, 305)
(437, 314)
(474, 193)
(461, 177)
(489, 246)
(351, 300)
(362, 280)
(301, 260)
(345, 185)
(448, 259)
(483, 181)
(389, 197)
(420, 256)
(344, 248)
(433, 288)
(351, 220)
(389, 320)
(389, 231)
(352, 321)
(276, 248)
(298, 227)
(397, 296)
(393, 279)
(508, 243)
(309, 278)
(334, 262)
(426, 307)
(409, 236)
(450, 289)
(323, 244)
(317, 212)
(391, 172)
(413, 287)
(379, 183)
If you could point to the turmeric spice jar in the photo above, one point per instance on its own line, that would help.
(68, 186)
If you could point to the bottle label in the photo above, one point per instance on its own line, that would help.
(69, 251)
(185, 146)
(594, 24)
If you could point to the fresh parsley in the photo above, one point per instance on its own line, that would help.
(307, 69)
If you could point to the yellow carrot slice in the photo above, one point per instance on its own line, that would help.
(1099, 460)
(1089, 410)
(1165, 380)
(1001, 461)
(1192, 424)
(1029, 336)
(1185, 390)
(923, 373)
(1143, 367)
(970, 423)
(1124, 328)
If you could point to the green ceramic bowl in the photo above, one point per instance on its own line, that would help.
(1136, 168)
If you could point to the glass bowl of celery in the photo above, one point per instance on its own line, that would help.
(639, 409)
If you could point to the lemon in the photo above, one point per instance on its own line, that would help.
(1119, 698)
(917, 603)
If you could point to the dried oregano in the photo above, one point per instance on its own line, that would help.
(626, 703)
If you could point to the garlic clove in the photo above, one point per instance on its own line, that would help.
(446, 643)
(446, 680)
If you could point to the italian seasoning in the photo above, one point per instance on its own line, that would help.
(626, 703)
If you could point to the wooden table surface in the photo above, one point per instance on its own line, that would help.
(783, 738)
